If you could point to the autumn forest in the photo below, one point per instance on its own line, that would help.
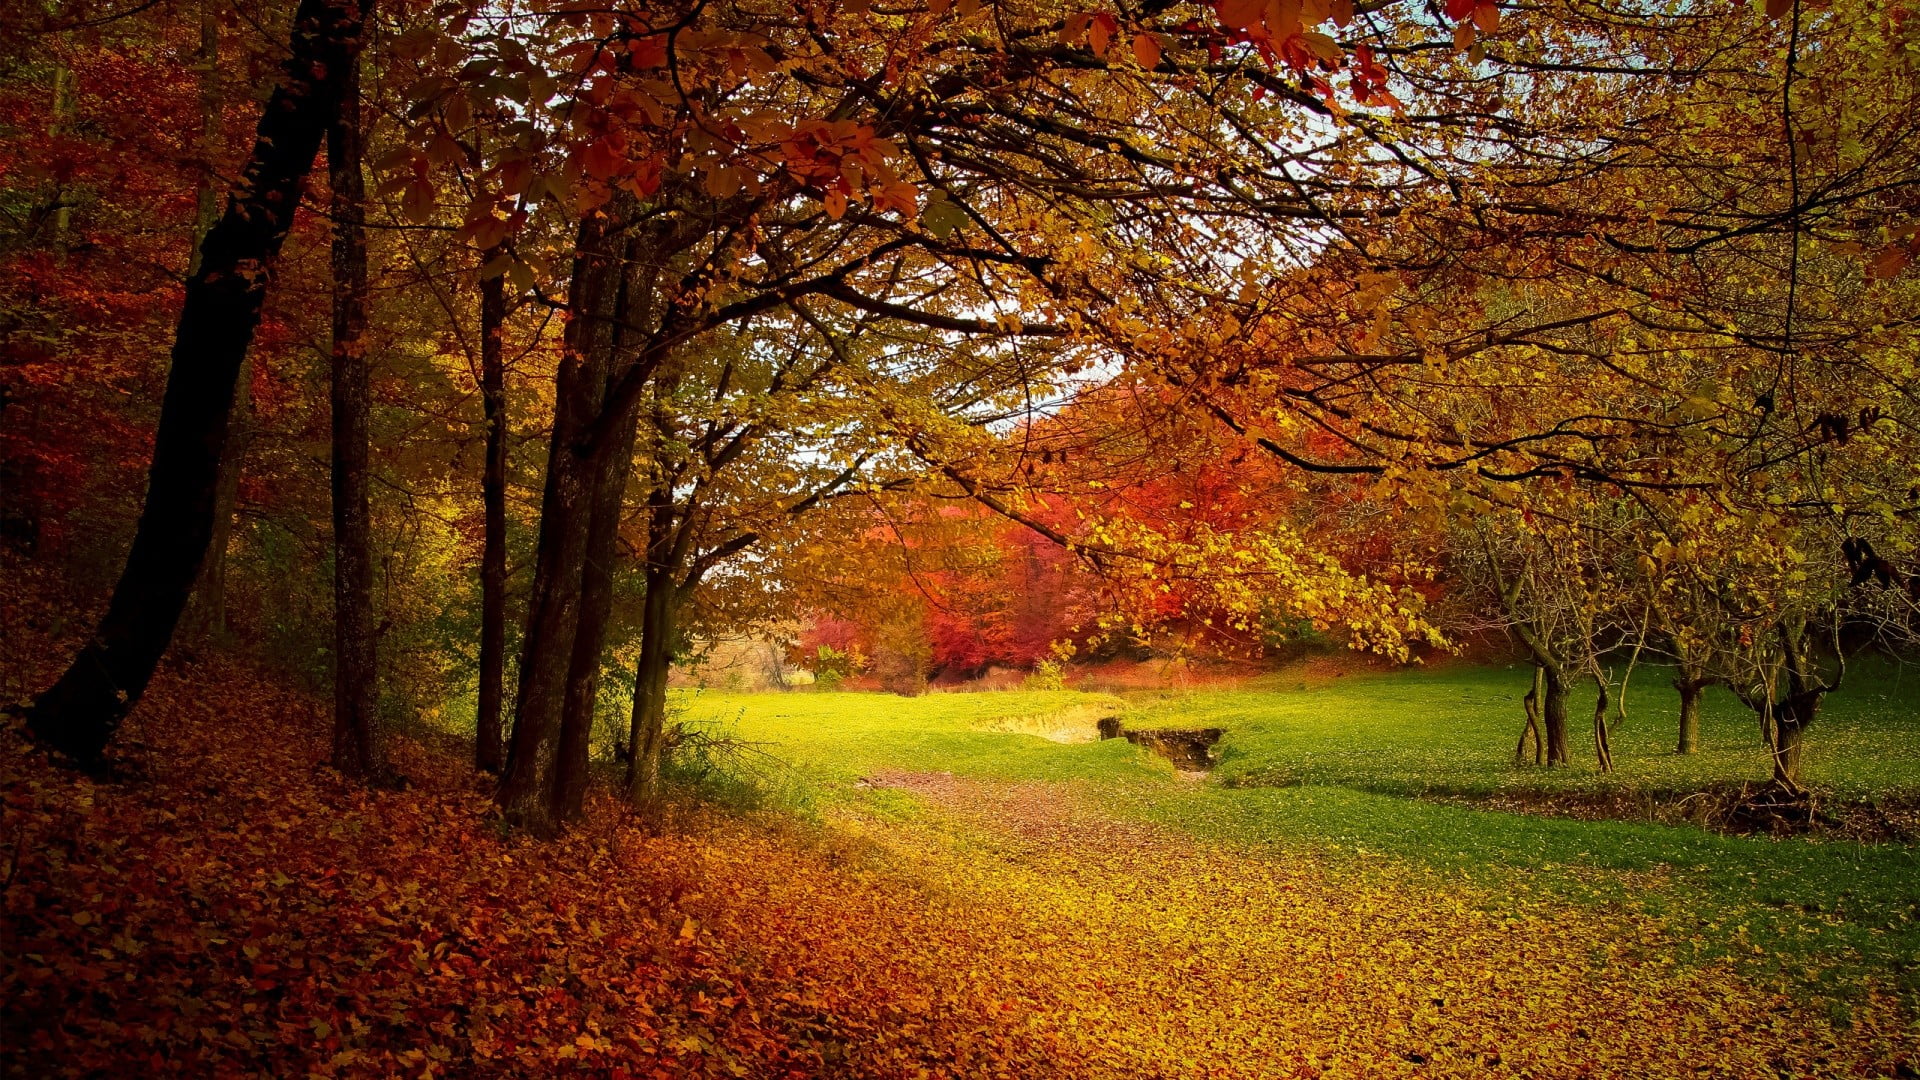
(959, 538)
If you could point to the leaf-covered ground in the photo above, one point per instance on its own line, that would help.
(230, 907)
(240, 911)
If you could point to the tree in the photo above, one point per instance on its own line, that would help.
(488, 741)
(80, 713)
(746, 440)
(356, 749)
(594, 299)
(207, 607)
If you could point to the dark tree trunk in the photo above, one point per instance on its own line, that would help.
(1553, 714)
(80, 713)
(553, 615)
(1788, 740)
(489, 750)
(596, 606)
(1791, 717)
(206, 615)
(648, 732)
(356, 749)
(1691, 687)
(659, 611)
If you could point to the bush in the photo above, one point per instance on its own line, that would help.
(708, 761)
(831, 667)
(1046, 675)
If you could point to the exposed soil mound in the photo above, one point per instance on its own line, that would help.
(1190, 749)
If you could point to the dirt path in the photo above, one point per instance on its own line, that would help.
(1165, 956)
(1040, 817)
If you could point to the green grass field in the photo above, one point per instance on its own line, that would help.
(1335, 769)
(1454, 732)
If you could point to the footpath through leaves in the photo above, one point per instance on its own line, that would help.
(239, 910)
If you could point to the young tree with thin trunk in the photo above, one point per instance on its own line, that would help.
(1785, 686)
(1540, 632)
(1688, 626)
(1535, 730)
(356, 694)
(489, 749)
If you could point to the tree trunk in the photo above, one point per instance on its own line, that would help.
(1553, 714)
(1791, 717)
(80, 713)
(596, 606)
(1531, 703)
(553, 615)
(1602, 744)
(1691, 687)
(61, 118)
(611, 464)
(1788, 740)
(648, 734)
(206, 615)
(356, 750)
(488, 749)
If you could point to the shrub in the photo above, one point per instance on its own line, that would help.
(1046, 675)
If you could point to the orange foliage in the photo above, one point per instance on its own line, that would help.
(239, 909)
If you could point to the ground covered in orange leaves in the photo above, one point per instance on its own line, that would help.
(234, 909)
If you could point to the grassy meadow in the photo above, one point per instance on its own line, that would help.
(1357, 769)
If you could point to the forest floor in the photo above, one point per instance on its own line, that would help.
(939, 895)
(236, 909)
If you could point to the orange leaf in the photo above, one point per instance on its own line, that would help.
(1241, 14)
(1146, 50)
(1283, 19)
(1100, 33)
